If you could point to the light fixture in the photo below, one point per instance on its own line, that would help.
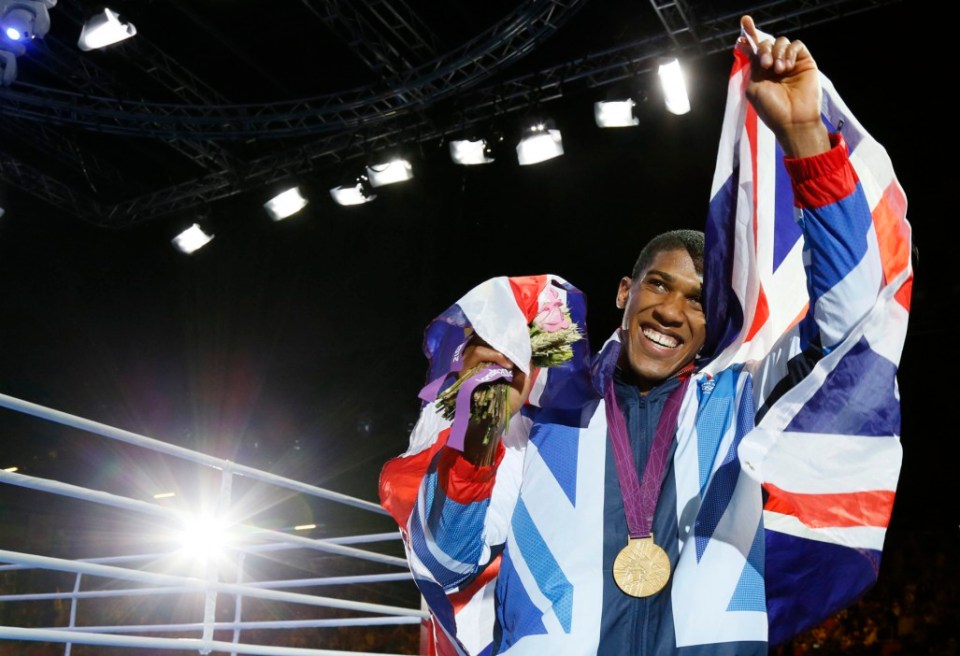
(192, 239)
(615, 113)
(20, 21)
(104, 29)
(471, 151)
(674, 87)
(389, 170)
(355, 192)
(23, 20)
(285, 204)
(541, 141)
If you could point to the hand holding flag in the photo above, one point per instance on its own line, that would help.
(784, 88)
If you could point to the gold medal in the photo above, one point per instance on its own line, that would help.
(641, 568)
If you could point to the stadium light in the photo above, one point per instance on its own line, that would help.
(285, 204)
(20, 21)
(389, 170)
(471, 152)
(192, 239)
(104, 29)
(615, 113)
(353, 192)
(541, 141)
(24, 20)
(674, 87)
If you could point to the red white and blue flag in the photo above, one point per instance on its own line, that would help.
(826, 450)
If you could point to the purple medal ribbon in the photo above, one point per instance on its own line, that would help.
(461, 419)
(640, 498)
(431, 390)
(458, 431)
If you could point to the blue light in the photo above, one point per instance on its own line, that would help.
(13, 34)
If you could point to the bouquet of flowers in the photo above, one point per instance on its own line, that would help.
(552, 335)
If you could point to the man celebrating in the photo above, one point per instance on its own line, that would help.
(656, 498)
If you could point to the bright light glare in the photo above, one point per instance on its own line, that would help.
(204, 537)
(103, 30)
(396, 170)
(615, 113)
(674, 87)
(352, 195)
(540, 146)
(285, 204)
(469, 152)
(19, 24)
(164, 495)
(304, 527)
(192, 239)
(11, 469)
(27, 20)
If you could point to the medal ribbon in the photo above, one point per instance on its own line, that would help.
(640, 498)
(489, 374)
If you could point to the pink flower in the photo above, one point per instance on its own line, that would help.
(552, 316)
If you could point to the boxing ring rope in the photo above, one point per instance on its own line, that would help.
(252, 540)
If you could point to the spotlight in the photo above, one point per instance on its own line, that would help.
(674, 87)
(192, 239)
(541, 141)
(356, 192)
(103, 30)
(20, 21)
(389, 170)
(469, 152)
(285, 204)
(23, 20)
(204, 537)
(615, 113)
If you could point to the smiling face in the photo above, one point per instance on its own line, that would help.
(663, 322)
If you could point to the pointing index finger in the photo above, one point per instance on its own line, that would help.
(748, 31)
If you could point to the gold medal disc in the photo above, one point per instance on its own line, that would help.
(641, 568)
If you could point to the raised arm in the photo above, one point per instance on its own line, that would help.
(843, 260)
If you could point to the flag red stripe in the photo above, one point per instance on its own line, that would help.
(848, 509)
(892, 238)
(526, 291)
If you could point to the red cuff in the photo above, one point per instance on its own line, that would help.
(463, 481)
(822, 179)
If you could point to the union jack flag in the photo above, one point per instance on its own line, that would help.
(826, 447)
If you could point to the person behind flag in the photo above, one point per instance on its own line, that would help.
(656, 498)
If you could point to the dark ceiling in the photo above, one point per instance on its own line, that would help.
(213, 98)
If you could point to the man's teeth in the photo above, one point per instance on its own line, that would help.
(659, 338)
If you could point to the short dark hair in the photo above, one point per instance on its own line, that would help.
(687, 240)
